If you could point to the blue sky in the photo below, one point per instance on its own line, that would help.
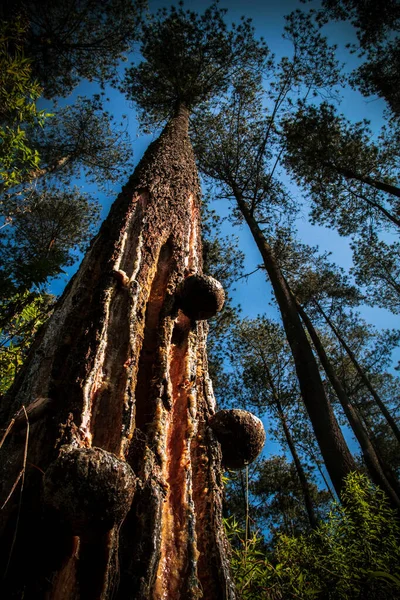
(268, 19)
(268, 16)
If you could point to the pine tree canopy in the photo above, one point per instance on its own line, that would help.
(188, 58)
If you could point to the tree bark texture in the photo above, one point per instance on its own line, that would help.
(376, 471)
(124, 370)
(337, 457)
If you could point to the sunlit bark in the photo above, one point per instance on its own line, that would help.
(125, 371)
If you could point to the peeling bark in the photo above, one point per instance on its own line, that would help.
(125, 371)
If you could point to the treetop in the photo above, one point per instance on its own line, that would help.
(188, 58)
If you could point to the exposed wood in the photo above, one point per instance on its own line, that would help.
(126, 372)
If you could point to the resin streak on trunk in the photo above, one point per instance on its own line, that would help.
(172, 572)
(128, 374)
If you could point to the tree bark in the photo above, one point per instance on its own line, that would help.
(370, 456)
(126, 372)
(337, 457)
(364, 378)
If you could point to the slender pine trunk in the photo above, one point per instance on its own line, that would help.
(125, 372)
(337, 457)
(387, 469)
(370, 456)
(364, 378)
(305, 487)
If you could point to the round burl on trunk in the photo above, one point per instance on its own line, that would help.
(200, 297)
(241, 435)
(90, 488)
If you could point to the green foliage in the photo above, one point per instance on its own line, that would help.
(280, 497)
(377, 25)
(354, 554)
(30, 311)
(70, 40)
(251, 571)
(18, 94)
(223, 260)
(262, 376)
(237, 142)
(45, 232)
(377, 268)
(234, 146)
(342, 169)
(188, 58)
(84, 137)
(276, 499)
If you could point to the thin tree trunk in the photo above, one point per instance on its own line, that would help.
(127, 373)
(52, 168)
(305, 487)
(367, 448)
(387, 469)
(244, 490)
(392, 423)
(324, 479)
(337, 457)
(379, 207)
(379, 185)
(37, 173)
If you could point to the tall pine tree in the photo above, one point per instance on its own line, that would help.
(116, 389)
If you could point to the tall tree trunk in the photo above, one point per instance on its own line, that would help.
(125, 372)
(337, 457)
(305, 487)
(387, 468)
(364, 378)
(370, 456)
(321, 472)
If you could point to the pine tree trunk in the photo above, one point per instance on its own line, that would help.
(370, 456)
(337, 457)
(379, 185)
(364, 378)
(305, 487)
(126, 372)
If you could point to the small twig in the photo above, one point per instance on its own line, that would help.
(22, 477)
(10, 426)
(12, 489)
(246, 275)
(36, 467)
